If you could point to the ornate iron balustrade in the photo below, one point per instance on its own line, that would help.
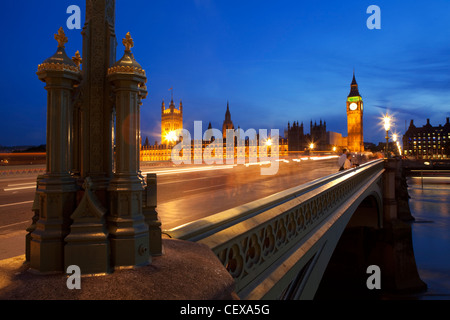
(250, 247)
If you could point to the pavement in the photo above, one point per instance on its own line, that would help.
(186, 271)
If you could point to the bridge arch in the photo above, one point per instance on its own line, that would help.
(369, 212)
(362, 219)
(356, 249)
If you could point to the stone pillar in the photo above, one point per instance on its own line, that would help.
(96, 99)
(34, 220)
(151, 215)
(76, 129)
(87, 245)
(128, 231)
(402, 194)
(57, 188)
(389, 198)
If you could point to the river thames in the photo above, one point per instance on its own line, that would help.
(430, 206)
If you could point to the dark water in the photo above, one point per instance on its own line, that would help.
(430, 206)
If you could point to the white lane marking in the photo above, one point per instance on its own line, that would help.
(20, 188)
(15, 204)
(22, 184)
(14, 224)
(209, 187)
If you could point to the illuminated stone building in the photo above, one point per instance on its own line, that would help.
(428, 141)
(171, 120)
(227, 123)
(355, 138)
(161, 152)
(318, 136)
(296, 137)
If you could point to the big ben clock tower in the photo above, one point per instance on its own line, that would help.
(355, 119)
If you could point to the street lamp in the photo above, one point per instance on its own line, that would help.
(396, 142)
(387, 127)
(394, 137)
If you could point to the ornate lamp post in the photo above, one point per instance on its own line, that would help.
(93, 208)
(127, 227)
(394, 138)
(57, 188)
(387, 127)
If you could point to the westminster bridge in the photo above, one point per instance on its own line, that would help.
(279, 247)
(93, 209)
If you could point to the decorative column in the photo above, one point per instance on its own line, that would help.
(389, 191)
(95, 115)
(128, 232)
(57, 189)
(87, 245)
(34, 220)
(151, 215)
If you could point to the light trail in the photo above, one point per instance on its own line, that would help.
(204, 188)
(432, 178)
(324, 158)
(190, 170)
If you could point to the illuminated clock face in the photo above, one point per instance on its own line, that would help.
(353, 106)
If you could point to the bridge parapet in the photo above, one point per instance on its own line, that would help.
(267, 252)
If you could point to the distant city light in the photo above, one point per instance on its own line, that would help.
(171, 136)
(387, 122)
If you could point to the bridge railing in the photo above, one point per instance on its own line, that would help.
(199, 229)
(250, 239)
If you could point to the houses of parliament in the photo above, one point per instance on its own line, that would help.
(296, 140)
(320, 139)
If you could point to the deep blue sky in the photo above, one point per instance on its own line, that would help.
(275, 61)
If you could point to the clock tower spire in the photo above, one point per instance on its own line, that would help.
(355, 118)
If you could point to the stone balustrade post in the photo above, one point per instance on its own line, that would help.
(389, 192)
(151, 215)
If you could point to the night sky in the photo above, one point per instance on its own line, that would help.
(274, 61)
